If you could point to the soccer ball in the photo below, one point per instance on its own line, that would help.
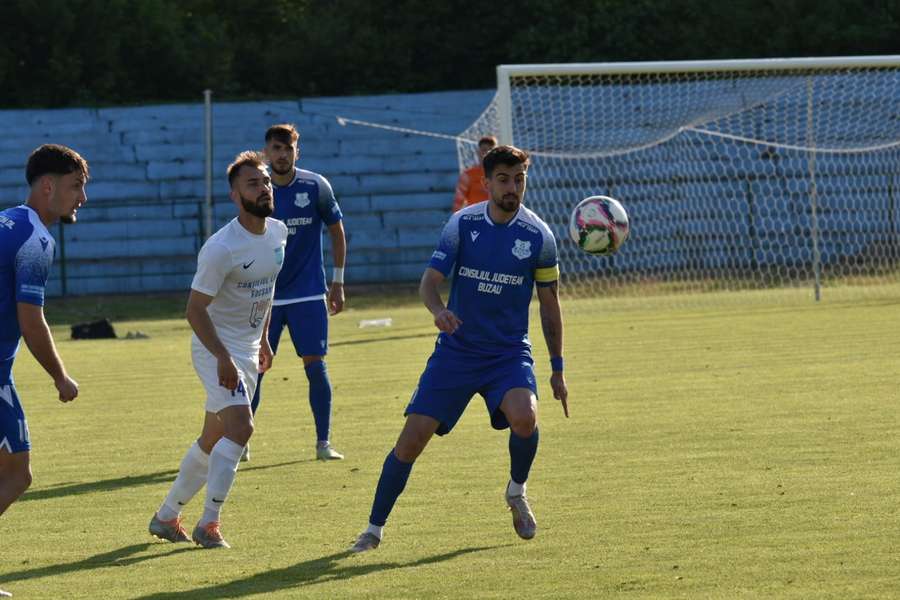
(599, 225)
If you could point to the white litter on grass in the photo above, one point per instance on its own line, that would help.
(386, 322)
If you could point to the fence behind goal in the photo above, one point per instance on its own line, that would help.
(737, 175)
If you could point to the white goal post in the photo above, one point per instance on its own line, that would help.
(737, 174)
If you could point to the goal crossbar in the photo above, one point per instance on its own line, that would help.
(738, 174)
(698, 66)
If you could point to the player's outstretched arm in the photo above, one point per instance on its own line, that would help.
(444, 319)
(206, 332)
(339, 256)
(40, 342)
(552, 324)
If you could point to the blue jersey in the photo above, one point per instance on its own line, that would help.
(304, 206)
(26, 252)
(494, 268)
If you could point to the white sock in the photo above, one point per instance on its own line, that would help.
(376, 530)
(515, 489)
(191, 477)
(223, 464)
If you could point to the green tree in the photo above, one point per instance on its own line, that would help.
(94, 52)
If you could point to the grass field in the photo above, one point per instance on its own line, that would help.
(742, 450)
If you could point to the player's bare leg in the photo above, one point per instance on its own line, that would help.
(15, 476)
(416, 433)
(520, 408)
(212, 432)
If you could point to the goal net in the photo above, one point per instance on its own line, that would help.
(737, 175)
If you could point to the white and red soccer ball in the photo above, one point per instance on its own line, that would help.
(599, 225)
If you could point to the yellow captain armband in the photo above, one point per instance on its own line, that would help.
(547, 274)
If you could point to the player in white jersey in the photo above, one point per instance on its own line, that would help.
(228, 310)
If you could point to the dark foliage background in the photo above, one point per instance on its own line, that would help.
(107, 52)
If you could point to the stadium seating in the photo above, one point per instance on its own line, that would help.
(145, 221)
(143, 225)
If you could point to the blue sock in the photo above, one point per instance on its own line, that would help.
(254, 404)
(394, 475)
(521, 455)
(320, 398)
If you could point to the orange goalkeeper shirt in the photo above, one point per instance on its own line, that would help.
(470, 188)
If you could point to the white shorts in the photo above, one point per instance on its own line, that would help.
(218, 397)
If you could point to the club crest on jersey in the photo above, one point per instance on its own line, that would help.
(521, 249)
(279, 255)
(301, 199)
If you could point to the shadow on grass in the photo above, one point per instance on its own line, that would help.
(311, 572)
(109, 485)
(121, 557)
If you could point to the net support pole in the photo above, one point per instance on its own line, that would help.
(208, 150)
(813, 192)
(504, 105)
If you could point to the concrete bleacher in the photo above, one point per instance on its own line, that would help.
(696, 204)
(142, 226)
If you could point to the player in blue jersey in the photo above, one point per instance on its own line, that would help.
(305, 202)
(57, 176)
(497, 251)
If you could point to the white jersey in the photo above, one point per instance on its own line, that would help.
(238, 269)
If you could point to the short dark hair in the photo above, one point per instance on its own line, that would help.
(285, 133)
(247, 158)
(487, 140)
(504, 155)
(54, 159)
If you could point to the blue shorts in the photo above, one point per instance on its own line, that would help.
(450, 381)
(308, 324)
(13, 427)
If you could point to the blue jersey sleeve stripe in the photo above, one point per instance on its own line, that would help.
(440, 263)
(444, 256)
(327, 206)
(332, 216)
(32, 267)
(30, 294)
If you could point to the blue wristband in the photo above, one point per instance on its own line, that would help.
(556, 363)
